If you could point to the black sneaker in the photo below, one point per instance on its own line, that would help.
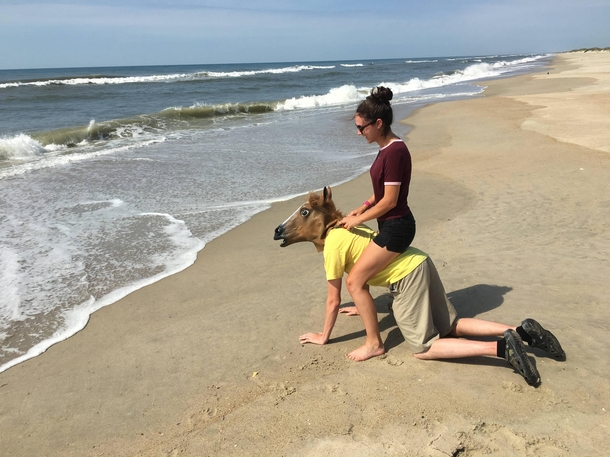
(518, 358)
(543, 339)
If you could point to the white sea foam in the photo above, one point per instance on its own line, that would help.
(142, 159)
(350, 94)
(9, 284)
(336, 96)
(163, 78)
(58, 160)
(76, 318)
(352, 65)
(99, 80)
(213, 74)
(292, 69)
(185, 245)
(437, 97)
(470, 73)
(22, 147)
(112, 203)
(76, 321)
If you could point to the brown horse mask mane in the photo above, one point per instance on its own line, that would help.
(311, 221)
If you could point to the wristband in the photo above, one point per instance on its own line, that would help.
(367, 204)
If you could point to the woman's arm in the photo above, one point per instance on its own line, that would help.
(389, 201)
(333, 301)
(364, 207)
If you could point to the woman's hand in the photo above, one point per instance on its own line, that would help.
(349, 222)
(315, 338)
(349, 310)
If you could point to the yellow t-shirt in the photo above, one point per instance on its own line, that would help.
(343, 247)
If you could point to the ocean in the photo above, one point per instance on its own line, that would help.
(113, 178)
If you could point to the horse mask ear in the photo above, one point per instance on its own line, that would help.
(328, 195)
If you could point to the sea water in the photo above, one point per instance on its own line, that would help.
(113, 178)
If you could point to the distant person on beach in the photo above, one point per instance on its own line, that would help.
(390, 176)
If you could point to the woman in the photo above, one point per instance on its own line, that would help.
(391, 176)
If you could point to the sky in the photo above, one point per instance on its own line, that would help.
(85, 33)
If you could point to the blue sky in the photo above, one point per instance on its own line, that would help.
(77, 33)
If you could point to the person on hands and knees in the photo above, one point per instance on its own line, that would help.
(423, 313)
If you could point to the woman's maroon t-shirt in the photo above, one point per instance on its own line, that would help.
(392, 167)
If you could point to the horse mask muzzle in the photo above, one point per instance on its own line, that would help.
(280, 234)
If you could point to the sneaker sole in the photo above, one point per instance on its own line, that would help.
(543, 339)
(518, 358)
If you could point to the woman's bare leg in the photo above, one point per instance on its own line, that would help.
(372, 261)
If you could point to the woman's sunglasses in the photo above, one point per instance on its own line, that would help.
(362, 127)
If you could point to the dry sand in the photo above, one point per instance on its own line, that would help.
(510, 192)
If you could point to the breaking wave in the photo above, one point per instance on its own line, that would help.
(145, 127)
(176, 77)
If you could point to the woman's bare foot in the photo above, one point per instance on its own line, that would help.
(365, 352)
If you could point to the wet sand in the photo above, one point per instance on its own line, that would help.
(510, 193)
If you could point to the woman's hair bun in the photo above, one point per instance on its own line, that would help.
(377, 106)
(383, 94)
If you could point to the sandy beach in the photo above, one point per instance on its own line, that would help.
(510, 193)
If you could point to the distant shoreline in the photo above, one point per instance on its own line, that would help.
(607, 49)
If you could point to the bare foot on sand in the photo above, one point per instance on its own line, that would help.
(365, 352)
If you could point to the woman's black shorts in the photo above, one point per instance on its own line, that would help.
(396, 234)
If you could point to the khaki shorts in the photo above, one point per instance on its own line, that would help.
(421, 308)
